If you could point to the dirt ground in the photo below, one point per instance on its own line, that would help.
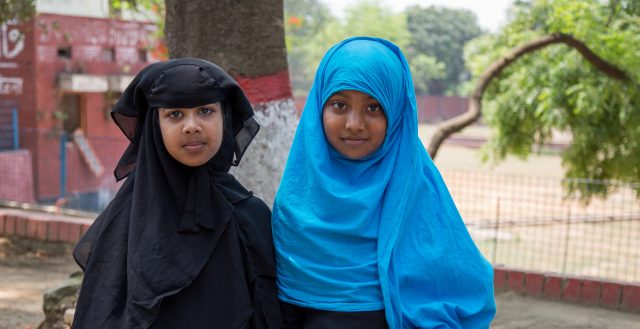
(27, 271)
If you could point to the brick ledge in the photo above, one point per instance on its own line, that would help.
(614, 295)
(42, 226)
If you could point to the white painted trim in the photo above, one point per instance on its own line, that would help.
(262, 165)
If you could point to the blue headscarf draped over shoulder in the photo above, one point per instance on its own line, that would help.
(429, 271)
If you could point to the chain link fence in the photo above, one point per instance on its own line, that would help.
(530, 223)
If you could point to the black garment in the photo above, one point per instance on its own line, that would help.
(227, 296)
(297, 317)
(179, 246)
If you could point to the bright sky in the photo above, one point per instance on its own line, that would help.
(491, 13)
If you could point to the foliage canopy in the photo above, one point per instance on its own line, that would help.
(441, 33)
(311, 30)
(556, 90)
(16, 9)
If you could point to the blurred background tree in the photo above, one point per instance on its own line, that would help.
(305, 20)
(16, 9)
(434, 49)
(442, 33)
(311, 30)
(557, 90)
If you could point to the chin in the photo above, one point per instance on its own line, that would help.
(354, 156)
(193, 163)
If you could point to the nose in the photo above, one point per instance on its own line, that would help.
(354, 121)
(191, 125)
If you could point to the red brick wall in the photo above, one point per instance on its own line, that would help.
(622, 296)
(79, 177)
(39, 66)
(17, 176)
(87, 38)
(433, 109)
(17, 62)
(42, 226)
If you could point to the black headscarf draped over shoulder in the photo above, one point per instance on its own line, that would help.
(174, 234)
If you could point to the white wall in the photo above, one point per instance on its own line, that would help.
(86, 8)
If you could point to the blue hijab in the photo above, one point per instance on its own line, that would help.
(329, 209)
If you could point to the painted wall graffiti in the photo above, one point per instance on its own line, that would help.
(12, 41)
(10, 86)
(11, 45)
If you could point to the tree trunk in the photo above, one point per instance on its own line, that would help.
(245, 38)
(453, 125)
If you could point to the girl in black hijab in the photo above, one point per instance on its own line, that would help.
(182, 244)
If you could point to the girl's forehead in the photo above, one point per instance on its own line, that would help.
(216, 105)
(353, 94)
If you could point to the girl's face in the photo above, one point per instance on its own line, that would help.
(192, 135)
(354, 123)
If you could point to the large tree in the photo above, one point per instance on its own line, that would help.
(562, 66)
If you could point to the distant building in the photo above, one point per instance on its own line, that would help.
(60, 73)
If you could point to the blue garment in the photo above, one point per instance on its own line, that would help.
(430, 273)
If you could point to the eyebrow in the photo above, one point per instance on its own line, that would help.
(187, 108)
(339, 93)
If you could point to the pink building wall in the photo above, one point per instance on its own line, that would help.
(30, 69)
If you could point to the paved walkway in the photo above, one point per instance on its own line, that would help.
(518, 312)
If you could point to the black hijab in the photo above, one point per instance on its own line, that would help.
(161, 228)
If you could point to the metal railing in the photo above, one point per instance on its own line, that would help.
(9, 137)
(530, 223)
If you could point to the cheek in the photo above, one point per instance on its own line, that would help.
(218, 130)
(330, 123)
(379, 128)
(167, 135)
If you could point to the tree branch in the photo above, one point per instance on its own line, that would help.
(455, 124)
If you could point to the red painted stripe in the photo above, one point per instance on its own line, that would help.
(266, 88)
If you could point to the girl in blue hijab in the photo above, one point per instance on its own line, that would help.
(366, 233)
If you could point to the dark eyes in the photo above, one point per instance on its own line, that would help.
(206, 110)
(341, 106)
(203, 111)
(175, 114)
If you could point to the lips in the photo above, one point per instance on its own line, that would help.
(354, 140)
(194, 146)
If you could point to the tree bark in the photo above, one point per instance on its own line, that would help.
(453, 125)
(244, 37)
